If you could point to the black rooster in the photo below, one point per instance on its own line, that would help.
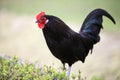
(68, 45)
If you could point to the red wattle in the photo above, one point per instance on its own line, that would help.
(41, 26)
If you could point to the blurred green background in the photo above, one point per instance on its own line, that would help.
(68, 10)
(19, 35)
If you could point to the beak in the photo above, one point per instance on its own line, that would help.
(37, 21)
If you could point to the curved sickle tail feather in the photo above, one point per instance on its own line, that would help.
(91, 27)
(93, 24)
(95, 15)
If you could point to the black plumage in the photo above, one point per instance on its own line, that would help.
(70, 46)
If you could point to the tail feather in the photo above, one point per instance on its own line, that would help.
(93, 23)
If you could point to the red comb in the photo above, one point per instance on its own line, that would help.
(40, 15)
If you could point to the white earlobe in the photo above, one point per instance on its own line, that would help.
(46, 21)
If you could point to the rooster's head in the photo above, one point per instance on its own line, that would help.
(41, 20)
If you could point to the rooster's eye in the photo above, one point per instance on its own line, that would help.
(43, 18)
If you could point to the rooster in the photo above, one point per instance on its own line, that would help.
(67, 45)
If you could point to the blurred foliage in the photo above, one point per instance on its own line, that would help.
(98, 78)
(13, 69)
(16, 69)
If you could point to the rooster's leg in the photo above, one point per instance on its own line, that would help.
(68, 71)
(64, 67)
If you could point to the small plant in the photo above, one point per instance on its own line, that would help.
(13, 69)
(16, 69)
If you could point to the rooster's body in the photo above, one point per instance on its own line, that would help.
(68, 45)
